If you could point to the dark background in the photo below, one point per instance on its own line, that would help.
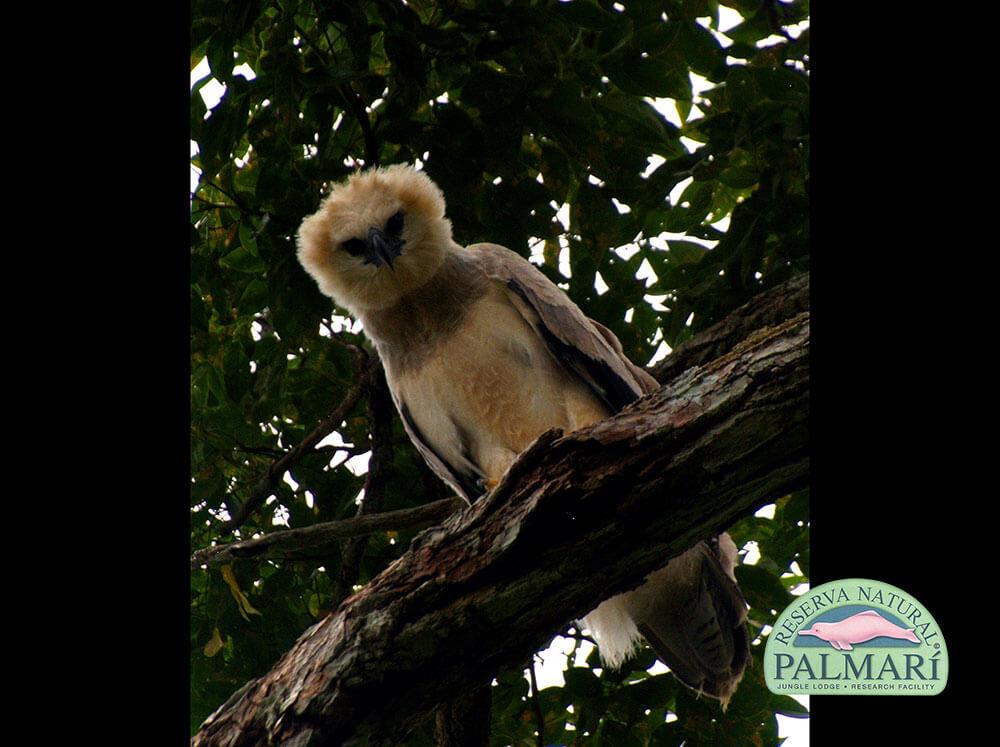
(894, 376)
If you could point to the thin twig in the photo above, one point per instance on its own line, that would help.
(209, 205)
(578, 636)
(265, 485)
(354, 102)
(261, 451)
(357, 107)
(236, 203)
(350, 449)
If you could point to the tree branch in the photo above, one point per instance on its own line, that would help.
(320, 540)
(380, 411)
(265, 485)
(353, 100)
(576, 519)
(765, 309)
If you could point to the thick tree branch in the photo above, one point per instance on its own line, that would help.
(576, 519)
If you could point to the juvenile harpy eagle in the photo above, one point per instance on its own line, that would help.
(483, 354)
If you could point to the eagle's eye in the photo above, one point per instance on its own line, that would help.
(356, 247)
(395, 224)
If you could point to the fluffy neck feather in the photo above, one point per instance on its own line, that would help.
(410, 330)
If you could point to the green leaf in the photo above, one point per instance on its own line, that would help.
(762, 588)
(685, 252)
(584, 13)
(582, 682)
(242, 259)
(646, 123)
(789, 706)
(615, 37)
(650, 76)
(741, 89)
(739, 177)
(702, 51)
(254, 297)
(220, 55)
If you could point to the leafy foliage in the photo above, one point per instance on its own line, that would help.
(515, 108)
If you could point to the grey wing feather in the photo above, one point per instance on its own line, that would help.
(468, 485)
(643, 377)
(693, 615)
(584, 347)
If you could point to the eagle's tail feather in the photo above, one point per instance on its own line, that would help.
(693, 615)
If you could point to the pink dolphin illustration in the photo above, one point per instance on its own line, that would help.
(857, 629)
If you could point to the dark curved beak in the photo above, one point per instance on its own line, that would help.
(382, 248)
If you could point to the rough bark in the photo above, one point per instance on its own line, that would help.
(576, 519)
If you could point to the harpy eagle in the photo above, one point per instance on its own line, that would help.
(482, 354)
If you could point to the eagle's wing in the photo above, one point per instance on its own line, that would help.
(691, 611)
(645, 379)
(463, 479)
(587, 349)
(693, 615)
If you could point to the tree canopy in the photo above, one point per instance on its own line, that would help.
(544, 125)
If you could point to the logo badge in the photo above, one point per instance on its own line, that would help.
(856, 637)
